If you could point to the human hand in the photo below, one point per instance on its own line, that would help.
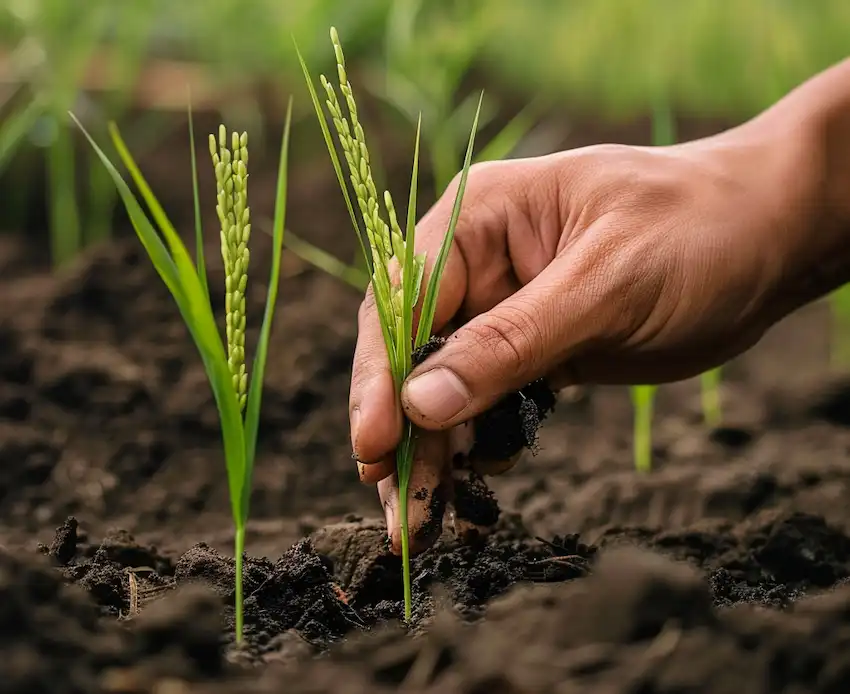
(606, 264)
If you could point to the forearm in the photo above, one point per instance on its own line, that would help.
(805, 140)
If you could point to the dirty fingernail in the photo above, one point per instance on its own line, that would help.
(438, 395)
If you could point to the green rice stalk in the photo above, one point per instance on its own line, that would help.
(387, 246)
(839, 351)
(643, 402)
(189, 289)
(712, 410)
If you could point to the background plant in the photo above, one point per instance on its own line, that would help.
(187, 282)
(396, 271)
(643, 396)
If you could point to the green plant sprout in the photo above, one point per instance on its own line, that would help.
(396, 271)
(643, 396)
(839, 348)
(643, 403)
(712, 410)
(224, 363)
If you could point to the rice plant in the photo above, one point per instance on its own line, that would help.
(237, 392)
(839, 349)
(396, 271)
(643, 403)
(419, 72)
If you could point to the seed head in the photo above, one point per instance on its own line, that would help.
(231, 176)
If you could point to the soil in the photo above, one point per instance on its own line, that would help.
(724, 570)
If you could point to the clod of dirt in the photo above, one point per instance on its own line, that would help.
(513, 423)
(434, 344)
(120, 574)
(510, 425)
(476, 509)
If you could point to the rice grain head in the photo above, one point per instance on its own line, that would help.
(231, 176)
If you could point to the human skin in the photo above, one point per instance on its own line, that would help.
(609, 264)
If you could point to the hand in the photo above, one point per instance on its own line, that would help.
(606, 264)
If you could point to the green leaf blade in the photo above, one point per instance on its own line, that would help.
(507, 139)
(255, 391)
(184, 285)
(199, 231)
(326, 133)
(429, 304)
(411, 276)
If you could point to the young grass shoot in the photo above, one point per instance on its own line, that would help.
(839, 349)
(396, 271)
(237, 392)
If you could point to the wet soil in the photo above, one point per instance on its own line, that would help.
(724, 570)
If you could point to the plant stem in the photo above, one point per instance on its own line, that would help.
(404, 463)
(712, 411)
(643, 399)
(239, 551)
(405, 551)
(839, 304)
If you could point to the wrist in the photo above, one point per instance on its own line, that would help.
(804, 144)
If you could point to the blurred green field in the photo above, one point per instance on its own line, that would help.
(612, 59)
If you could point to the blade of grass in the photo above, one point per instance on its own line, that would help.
(151, 241)
(507, 139)
(200, 262)
(411, 275)
(196, 311)
(255, 392)
(327, 262)
(16, 127)
(381, 303)
(643, 402)
(429, 304)
(710, 393)
(326, 133)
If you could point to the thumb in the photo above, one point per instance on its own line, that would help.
(518, 341)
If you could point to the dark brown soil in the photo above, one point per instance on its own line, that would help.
(725, 570)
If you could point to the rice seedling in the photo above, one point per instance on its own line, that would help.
(415, 76)
(643, 396)
(396, 271)
(237, 393)
(712, 410)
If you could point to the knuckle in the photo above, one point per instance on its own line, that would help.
(510, 337)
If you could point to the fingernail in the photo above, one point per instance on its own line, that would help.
(438, 394)
(355, 423)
